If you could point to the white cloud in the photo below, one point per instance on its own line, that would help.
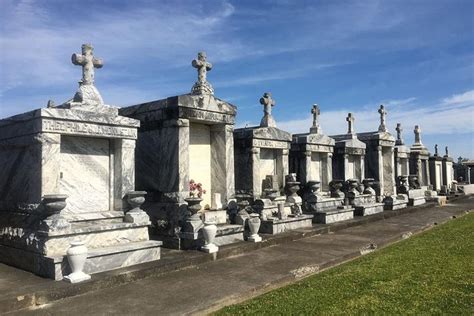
(458, 99)
(433, 120)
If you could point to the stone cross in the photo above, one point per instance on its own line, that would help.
(88, 63)
(436, 150)
(383, 114)
(201, 86)
(268, 103)
(399, 130)
(315, 129)
(417, 135)
(446, 150)
(350, 119)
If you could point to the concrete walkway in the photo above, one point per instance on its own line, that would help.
(209, 286)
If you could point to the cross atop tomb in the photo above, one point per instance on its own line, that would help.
(417, 135)
(399, 130)
(436, 150)
(315, 129)
(88, 63)
(268, 103)
(201, 86)
(350, 120)
(447, 152)
(383, 114)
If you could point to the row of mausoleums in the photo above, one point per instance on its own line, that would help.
(91, 183)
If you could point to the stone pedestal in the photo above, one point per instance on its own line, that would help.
(395, 202)
(277, 226)
(416, 197)
(333, 215)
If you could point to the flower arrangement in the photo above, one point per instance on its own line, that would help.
(195, 189)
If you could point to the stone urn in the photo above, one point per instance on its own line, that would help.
(336, 186)
(135, 199)
(194, 206)
(54, 204)
(313, 186)
(254, 226)
(77, 256)
(403, 187)
(368, 186)
(209, 232)
(136, 215)
(271, 194)
(292, 187)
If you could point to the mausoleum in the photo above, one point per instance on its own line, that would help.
(69, 178)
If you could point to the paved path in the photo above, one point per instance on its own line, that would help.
(212, 285)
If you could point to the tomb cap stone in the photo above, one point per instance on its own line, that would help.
(87, 97)
(315, 129)
(202, 86)
(268, 103)
(399, 130)
(383, 114)
(418, 147)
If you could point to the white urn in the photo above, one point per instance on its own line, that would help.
(77, 256)
(209, 232)
(254, 223)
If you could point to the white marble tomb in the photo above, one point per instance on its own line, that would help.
(81, 151)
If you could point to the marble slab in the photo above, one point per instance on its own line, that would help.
(333, 216)
(364, 210)
(279, 226)
(218, 217)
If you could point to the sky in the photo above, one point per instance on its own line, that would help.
(414, 56)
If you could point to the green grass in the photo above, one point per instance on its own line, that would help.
(431, 273)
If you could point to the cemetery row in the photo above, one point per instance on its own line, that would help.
(89, 187)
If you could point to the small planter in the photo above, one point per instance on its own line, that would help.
(135, 199)
(209, 232)
(194, 206)
(254, 226)
(54, 204)
(77, 256)
(336, 186)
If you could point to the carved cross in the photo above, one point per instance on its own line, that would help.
(446, 150)
(436, 150)
(202, 66)
(399, 130)
(383, 114)
(417, 134)
(316, 112)
(267, 103)
(350, 119)
(88, 63)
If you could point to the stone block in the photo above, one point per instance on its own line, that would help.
(333, 216)
(364, 210)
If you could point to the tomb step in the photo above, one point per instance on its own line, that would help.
(112, 257)
(94, 236)
(106, 216)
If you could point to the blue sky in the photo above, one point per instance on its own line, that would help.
(416, 57)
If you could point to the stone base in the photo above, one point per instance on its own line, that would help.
(226, 234)
(398, 205)
(98, 259)
(440, 200)
(211, 248)
(416, 201)
(334, 215)
(395, 202)
(364, 210)
(330, 204)
(77, 277)
(277, 226)
(255, 238)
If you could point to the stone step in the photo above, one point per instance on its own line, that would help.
(108, 216)
(110, 258)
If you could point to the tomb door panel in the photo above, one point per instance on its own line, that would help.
(351, 172)
(200, 158)
(85, 174)
(387, 171)
(438, 171)
(315, 167)
(268, 162)
(403, 168)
